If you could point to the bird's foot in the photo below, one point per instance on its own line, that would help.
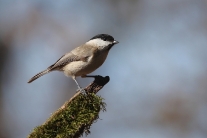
(81, 90)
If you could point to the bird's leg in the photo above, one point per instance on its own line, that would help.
(79, 88)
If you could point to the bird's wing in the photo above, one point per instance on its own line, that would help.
(78, 54)
(65, 59)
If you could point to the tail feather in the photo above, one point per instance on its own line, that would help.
(39, 75)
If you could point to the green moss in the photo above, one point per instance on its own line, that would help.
(72, 120)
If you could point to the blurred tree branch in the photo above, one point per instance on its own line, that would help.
(77, 114)
(4, 56)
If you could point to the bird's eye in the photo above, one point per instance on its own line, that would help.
(104, 39)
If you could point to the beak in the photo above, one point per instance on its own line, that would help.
(115, 42)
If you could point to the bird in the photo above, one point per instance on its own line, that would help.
(83, 59)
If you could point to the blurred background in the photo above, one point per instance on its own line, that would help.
(158, 71)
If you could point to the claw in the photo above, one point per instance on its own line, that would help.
(81, 90)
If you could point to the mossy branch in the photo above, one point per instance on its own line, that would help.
(76, 116)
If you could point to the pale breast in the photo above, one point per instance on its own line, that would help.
(79, 68)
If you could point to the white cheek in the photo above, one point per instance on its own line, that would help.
(98, 42)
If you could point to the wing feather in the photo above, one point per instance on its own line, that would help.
(81, 53)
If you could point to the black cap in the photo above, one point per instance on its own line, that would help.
(104, 37)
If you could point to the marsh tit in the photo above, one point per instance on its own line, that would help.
(83, 59)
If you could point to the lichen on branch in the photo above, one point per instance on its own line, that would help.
(76, 116)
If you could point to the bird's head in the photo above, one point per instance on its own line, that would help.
(102, 41)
